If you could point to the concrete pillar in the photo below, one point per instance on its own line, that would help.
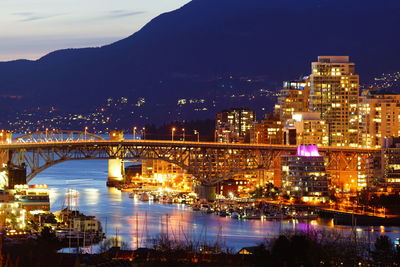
(115, 166)
(207, 192)
(3, 179)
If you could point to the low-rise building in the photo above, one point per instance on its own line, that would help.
(268, 131)
(12, 215)
(86, 224)
(33, 198)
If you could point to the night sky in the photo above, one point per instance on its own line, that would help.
(32, 28)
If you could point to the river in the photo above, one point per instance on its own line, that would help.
(135, 221)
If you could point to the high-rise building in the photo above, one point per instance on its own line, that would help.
(268, 131)
(233, 126)
(306, 128)
(379, 117)
(334, 93)
(293, 98)
(304, 175)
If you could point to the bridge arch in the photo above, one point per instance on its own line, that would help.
(57, 136)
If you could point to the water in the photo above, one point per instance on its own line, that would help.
(137, 221)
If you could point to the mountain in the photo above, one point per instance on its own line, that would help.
(183, 54)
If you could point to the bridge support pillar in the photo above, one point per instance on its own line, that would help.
(115, 172)
(207, 192)
(115, 166)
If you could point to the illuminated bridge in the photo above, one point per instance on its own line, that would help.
(208, 162)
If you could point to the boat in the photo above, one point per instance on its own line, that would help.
(306, 216)
(144, 197)
(195, 208)
(277, 216)
(235, 215)
(253, 217)
(69, 237)
(223, 213)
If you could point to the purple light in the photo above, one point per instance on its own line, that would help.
(308, 151)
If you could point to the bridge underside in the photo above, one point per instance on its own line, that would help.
(208, 165)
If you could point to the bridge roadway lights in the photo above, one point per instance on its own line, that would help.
(208, 192)
(115, 166)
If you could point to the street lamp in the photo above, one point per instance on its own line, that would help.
(144, 132)
(215, 135)
(134, 132)
(47, 130)
(86, 128)
(198, 135)
(172, 133)
(257, 140)
(183, 133)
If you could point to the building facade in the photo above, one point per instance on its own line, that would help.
(334, 93)
(234, 125)
(387, 166)
(268, 131)
(379, 117)
(304, 175)
(306, 128)
(293, 98)
(163, 174)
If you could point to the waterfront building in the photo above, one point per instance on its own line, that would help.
(12, 215)
(334, 93)
(233, 187)
(163, 174)
(234, 125)
(306, 128)
(379, 116)
(304, 175)
(84, 223)
(268, 131)
(33, 198)
(293, 98)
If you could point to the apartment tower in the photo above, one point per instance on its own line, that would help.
(334, 93)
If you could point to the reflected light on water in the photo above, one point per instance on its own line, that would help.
(115, 194)
(92, 196)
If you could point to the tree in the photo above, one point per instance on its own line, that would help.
(49, 239)
(108, 243)
(384, 251)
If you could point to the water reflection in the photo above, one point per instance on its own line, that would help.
(136, 222)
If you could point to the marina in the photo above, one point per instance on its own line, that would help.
(116, 211)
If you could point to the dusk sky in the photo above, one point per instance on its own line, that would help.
(32, 28)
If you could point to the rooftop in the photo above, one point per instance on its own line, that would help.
(334, 59)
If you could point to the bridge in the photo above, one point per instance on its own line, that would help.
(208, 162)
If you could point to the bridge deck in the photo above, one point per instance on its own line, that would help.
(188, 144)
